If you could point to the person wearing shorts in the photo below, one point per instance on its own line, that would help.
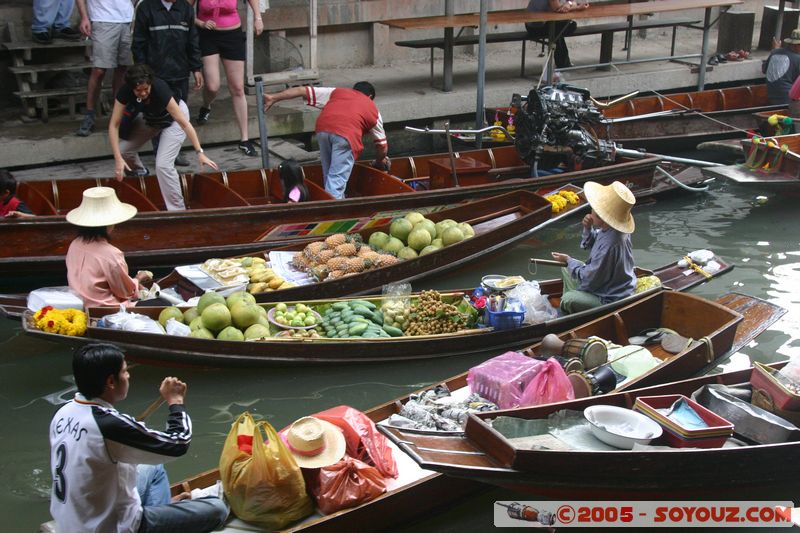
(221, 37)
(108, 24)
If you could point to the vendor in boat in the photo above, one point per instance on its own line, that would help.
(107, 467)
(782, 68)
(608, 275)
(96, 270)
(347, 115)
(145, 108)
(10, 205)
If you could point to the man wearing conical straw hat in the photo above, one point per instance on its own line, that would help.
(608, 275)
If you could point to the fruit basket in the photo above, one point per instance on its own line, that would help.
(291, 314)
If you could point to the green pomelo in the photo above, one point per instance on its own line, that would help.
(201, 333)
(443, 225)
(437, 243)
(263, 320)
(262, 311)
(209, 298)
(430, 249)
(419, 239)
(190, 314)
(378, 240)
(230, 334)
(407, 253)
(238, 297)
(256, 331)
(415, 217)
(394, 245)
(400, 228)
(170, 312)
(466, 230)
(428, 225)
(216, 317)
(197, 323)
(244, 314)
(452, 235)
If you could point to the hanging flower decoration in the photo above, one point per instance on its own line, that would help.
(70, 322)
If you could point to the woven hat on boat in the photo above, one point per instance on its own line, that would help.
(794, 38)
(612, 203)
(100, 207)
(314, 443)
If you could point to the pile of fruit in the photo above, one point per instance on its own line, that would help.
(431, 316)
(396, 313)
(339, 255)
(225, 271)
(561, 199)
(414, 235)
(251, 270)
(299, 316)
(356, 318)
(238, 318)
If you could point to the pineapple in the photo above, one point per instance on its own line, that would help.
(346, 250)
(355, 265)
(311, 250)
(335, 240)
(320, 272)
(334, 274)
(324, 256)
(364, 250)
(337, 263)
(386, 260)
(299, 261)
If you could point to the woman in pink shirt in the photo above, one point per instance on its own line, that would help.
(221, 37)
(96, 270)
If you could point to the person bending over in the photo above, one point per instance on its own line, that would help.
(95, 450)
(608, 275)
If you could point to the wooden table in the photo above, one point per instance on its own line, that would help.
(596, 11)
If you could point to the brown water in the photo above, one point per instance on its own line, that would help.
(760, 240)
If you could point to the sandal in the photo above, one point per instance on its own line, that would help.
(721, 58)
(743, 54)
(674, 343)
(648, 336)
(733, 56)
(713, 61)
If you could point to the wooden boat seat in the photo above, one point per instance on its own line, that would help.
(130, 195)
(35, 200)
(68, 195)
(206, 192)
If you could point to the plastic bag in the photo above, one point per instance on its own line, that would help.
(346, 484)
(537, 306)
(176, 328)
(397, 292)
(632, 361)
(549, 386)
(265, 487)
(56, 297)
(130, 322)
(364, 441)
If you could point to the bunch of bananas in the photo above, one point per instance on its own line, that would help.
(558, 202)
(263, 278)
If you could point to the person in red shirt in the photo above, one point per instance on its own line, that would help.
(347, 114)
(10, 205)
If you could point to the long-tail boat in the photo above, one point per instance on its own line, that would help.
(297, 351)
(771, 161)
(483, 454)
(683, 120)
(417, 491)
(230, 212)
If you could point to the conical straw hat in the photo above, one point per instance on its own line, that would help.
(100, 207)
(612, 203)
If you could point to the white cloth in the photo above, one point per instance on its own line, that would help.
(110, 10)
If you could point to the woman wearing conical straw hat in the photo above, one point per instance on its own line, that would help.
(608, 275)
(96, 269)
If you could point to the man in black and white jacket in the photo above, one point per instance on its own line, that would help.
(95, 450)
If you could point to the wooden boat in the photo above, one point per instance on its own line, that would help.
(683, 120)
(231, 212)
(483, 454)
(274, 351)
(424, 489)
(773, 161)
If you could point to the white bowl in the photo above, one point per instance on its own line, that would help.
(621, 428)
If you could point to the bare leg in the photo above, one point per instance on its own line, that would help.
(210, 79)
(234, 71)
(93, 87)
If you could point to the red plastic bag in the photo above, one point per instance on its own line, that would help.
(550, 385)
(364, 441)
(346, 484)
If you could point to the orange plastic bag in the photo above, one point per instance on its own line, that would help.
(265, 487)
(346, 484)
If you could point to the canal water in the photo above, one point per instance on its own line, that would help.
(759, 237)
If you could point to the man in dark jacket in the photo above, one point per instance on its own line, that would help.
(166, 39)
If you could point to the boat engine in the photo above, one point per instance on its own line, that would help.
(560, 116)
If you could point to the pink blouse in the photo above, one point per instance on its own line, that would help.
(794, 92)
(97, 271)
(224, 12)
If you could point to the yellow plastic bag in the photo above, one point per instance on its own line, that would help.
(265, 487)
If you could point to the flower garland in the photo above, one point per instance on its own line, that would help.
(70, 322)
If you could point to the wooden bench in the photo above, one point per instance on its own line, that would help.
(605, 30)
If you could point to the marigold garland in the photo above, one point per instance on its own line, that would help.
(70, 322)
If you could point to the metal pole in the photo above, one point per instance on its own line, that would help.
(551, 59)
(262, 122)
(635, 154)
(447, 70)
(779, 22)
(479, 111)
(701, 75)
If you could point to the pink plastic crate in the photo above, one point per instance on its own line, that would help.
(503, 379)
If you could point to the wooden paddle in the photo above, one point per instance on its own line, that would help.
(550, 262)
(150, 409)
